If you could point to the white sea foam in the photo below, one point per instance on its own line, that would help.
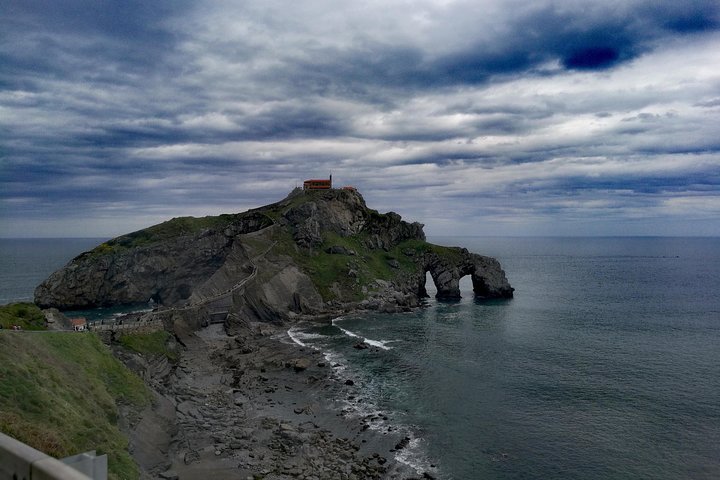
(413, 455)
(336, 361)
(297, 336)
(363, 406)
(349, 333)
(375, 343)
(293, 336)
(378, 343)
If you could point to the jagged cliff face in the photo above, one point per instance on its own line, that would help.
(165, 265)
(344, 213)
(311, 253)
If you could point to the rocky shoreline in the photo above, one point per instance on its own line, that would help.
(256, 405)
(242, 401)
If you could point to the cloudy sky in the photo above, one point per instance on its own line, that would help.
(481, 117)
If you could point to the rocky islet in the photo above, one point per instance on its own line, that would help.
(272, 263)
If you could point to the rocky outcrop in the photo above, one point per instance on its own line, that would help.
(339, 211)
(55, 320)
(165, 272)
(344, 213)
(386, 231)
(488, 278)
(134, 268)
(309, 254)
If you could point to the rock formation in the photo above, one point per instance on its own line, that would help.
(488, 278)
(312, 253)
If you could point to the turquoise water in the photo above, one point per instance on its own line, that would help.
(604, 365)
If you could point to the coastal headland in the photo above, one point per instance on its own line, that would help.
(240, 399)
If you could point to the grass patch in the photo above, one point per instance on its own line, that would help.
(26, 315)
(59, 394)
(330, 271)
(174, 228)
(155, 343)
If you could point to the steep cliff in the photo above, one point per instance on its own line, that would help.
(311, 253)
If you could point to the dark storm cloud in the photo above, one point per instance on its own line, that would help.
(129, 32)
(579, 42)
(688, 17)
(580, 39)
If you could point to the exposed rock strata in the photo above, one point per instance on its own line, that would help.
(274, 263)
(253, 406)
(488, 278)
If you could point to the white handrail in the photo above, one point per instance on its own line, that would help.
(20, 461)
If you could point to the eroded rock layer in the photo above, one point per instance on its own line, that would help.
(312, 253)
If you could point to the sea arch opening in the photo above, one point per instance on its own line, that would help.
(452, 284)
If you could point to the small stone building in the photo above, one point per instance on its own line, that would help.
(79, 324)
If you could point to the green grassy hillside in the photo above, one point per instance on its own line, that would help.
(59, 393)
(26, 315)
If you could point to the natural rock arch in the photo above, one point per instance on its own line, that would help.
(488, 278)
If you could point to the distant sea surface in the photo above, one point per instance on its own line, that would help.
(605, 365)
(25, 263)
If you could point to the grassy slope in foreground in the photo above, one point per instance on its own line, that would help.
(26, 315)
(59, 394)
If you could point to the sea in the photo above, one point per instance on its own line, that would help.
(605, 364)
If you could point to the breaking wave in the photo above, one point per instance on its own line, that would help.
(382, 344)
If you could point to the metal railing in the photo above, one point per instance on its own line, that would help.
(22, 462)
(128, 327)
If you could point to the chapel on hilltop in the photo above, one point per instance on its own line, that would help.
(324, 184)
(318, 184)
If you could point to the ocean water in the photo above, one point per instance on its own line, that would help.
(25, 263)
(605, 365)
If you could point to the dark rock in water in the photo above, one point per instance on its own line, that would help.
(402, 443)
(360, 346)
(488, 278)
(349, 382)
